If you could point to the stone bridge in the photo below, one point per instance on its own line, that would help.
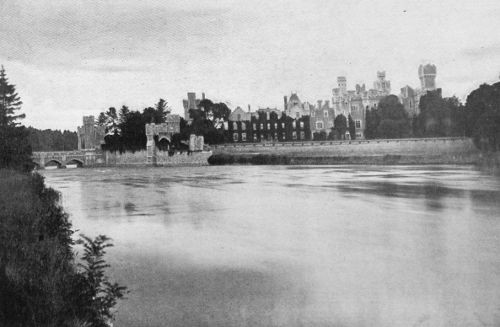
(61, 159)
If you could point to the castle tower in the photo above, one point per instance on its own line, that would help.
(427, 74)
(342, 83)
(381, 84)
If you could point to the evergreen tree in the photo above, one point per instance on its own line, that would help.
(352, 127)
(10, 102)
(340, 125)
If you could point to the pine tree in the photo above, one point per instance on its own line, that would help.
(10, 102)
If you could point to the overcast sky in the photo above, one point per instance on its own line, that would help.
(70, 58)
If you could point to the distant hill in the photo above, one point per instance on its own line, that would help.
(52, 140)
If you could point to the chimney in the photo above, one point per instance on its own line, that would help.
(319, 104)
(248, 108)
(327, 104)
(203, 95)
(285, 100)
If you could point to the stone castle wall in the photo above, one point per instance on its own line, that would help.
(163, 158)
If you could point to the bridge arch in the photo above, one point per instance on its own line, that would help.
(74, 161)
(51, 162)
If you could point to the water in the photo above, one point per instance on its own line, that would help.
(295, 246)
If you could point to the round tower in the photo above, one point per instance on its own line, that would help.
(427, 74)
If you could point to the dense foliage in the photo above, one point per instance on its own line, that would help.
(52, 140)
(40, 284)
(388, 120)
(125, 129)
(339, 127)
(482, 114)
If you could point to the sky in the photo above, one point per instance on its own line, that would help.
(70, 58)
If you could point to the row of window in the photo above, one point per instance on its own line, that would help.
(320, 125)
(244, 125)
(270, 137)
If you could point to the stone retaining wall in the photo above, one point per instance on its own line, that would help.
(162, 158)
(432, 147)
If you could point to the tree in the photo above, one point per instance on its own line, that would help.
(482, 110)
(394, 121)
(15, 148)
(10, 102)
(101, 295)
(340, 126)
(372, 122)
(352, 127)
(434, 119)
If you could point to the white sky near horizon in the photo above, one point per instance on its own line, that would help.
(70, 58)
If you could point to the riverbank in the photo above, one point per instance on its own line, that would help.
(365, 152)
(40, 281)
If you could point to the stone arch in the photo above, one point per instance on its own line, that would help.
(163, 142)
(57, 162)
(78, 162)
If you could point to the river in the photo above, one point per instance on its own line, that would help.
(295, 245)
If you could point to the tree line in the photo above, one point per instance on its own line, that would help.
(479, 118)
(52, 140)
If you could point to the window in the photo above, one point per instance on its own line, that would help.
(330, 124)
(312, 113)
(283, 125)
(325, 113)
(235, 137)
(267, 115)
(302, 125)
(254, 126)
(268, 125)
(319, 125)
(275, 136)
(239, 116)
(255, 137)
(297, 114)
(302, 135)
(235, 125)
(354, 108)
(275, 125)
(357, 123)
(269, 137)
(294, 124)
(244, 137)
(358, 135)
(243, 126)
(284, 136)
(294, 135)
(261, 126)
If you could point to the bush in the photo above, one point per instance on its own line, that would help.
(40, 284)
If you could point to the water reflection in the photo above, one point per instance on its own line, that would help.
(296, 246)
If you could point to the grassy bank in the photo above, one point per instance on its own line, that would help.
(40, 281)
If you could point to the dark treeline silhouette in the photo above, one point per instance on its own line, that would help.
(438, 117)
(52, 140)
